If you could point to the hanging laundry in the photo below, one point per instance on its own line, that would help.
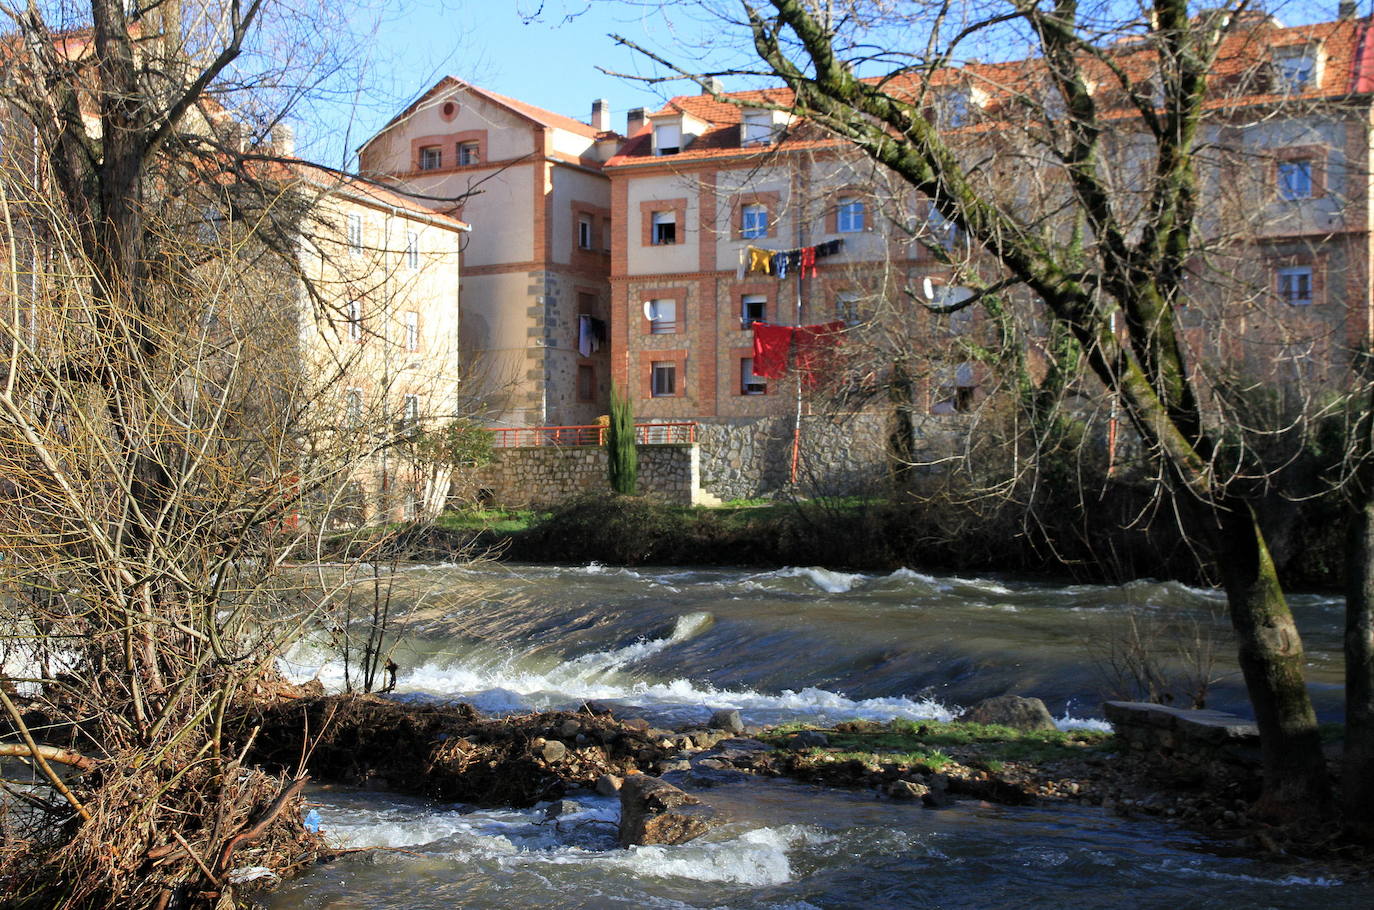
(813, 346)
(772, 344)
(601, 333)
(585, 339)
(743, 265)
(808, 261)
(785, 263)
(760, 260)
(829, 248)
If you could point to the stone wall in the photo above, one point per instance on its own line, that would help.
(844, 455)
(1187, 745)
(546, 475)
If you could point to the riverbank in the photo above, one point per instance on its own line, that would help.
(453, 753)
(1103, 544)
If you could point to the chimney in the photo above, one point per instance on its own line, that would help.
(634, 119)
(1345, 9)
(601, 115)
(283, 140)
(713, 86)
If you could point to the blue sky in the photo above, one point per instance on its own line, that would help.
(549, 59)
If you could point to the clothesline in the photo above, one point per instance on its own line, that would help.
(781, 263)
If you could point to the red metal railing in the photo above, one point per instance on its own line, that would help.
(646, 434)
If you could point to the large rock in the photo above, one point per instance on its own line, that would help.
(1011, 711)
(653, 811)
(727, 719)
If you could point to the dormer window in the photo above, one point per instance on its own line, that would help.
(1297, 68)
(667, 138)
(756, 128)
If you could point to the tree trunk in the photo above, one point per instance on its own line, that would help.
(1357, 781)
(1296, 782)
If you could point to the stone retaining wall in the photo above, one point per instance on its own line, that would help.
(1187, 744)
(843, 455)
(536, 476)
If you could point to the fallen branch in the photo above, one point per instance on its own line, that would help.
(51, 753)
(259, 827)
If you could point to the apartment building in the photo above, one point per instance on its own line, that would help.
(379, 336)
(536, 299)
(1282, 289)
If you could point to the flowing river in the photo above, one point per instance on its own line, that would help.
(796, 643)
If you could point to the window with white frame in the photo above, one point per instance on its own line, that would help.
(1295, 285)
(753, 221)
(663, 229)
(410, 411)
(662, 315)
(469, 153)
(354, 313)
(1296, 68)
(667, 138)
(749, 384)
(353, 407)
(663, 379)
(756, 128)
(585, 240)
(355, 233)
(849, 215)
(412, 330)
(412, 250)
(1295, 179)
(847, 307)
(753, 308)
(431, 158)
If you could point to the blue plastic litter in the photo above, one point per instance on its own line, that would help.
(312, 820)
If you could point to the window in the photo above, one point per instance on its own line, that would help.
(663, 379)
(412, 250)
(753, 308)
(412, 330)
(664, 228)
(662, 316)
(957, 397)
(354, 312)
(1295, 179)
(468, 153)
(954, 110)
(584, 232)
(586, 382)
(942, 230)
(1295, 285)
(667, 139)
(847, 308)
(1295, 68)
(749, 384)
(410, 411)
(849, 215)
(431, 158)
(355, 233)
(756, 128)
(353, 407)
(753, 221)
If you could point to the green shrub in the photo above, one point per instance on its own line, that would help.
(622, 458)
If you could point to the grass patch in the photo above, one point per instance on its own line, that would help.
(928, 742)
(476, 520)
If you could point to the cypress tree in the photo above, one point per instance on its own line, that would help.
(622, 459)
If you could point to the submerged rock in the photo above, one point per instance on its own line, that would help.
(1011, 711)
(653, 811)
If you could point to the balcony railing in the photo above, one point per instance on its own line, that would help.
(646, 434)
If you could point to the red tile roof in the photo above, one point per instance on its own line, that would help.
(369, 193)
(1349, 67)
(528, 111)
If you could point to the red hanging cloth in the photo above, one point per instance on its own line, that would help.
(771, 346)
(814, 345)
